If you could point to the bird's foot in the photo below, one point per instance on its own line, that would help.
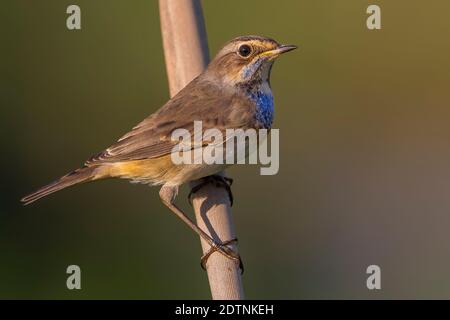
(218, 181)
(226, 251)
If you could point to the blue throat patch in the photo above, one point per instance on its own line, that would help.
(264, 107)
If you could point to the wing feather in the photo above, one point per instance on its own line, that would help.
(198, 101)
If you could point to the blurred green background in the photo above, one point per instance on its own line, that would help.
(365, 153)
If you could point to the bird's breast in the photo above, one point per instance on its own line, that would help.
(263, 99)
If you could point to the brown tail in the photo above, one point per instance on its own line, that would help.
(77, 176)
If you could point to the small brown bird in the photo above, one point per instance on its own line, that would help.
(233, 92)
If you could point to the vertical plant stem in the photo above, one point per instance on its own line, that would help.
(186, 56)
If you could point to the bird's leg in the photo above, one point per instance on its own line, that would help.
(168, 194)
(218, 181)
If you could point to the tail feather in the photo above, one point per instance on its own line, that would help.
(77, 176)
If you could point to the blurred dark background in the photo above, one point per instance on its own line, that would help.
(365, 153)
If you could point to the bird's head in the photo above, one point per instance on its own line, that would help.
(246, 59)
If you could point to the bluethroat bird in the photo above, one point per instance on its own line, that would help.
(233, 92)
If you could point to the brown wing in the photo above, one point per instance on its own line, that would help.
(200, 100)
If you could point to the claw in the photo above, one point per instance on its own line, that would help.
(226, 251)
(219, 181)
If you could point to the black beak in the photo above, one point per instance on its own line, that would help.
(286, 48)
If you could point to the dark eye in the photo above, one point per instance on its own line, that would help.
(245, 50)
